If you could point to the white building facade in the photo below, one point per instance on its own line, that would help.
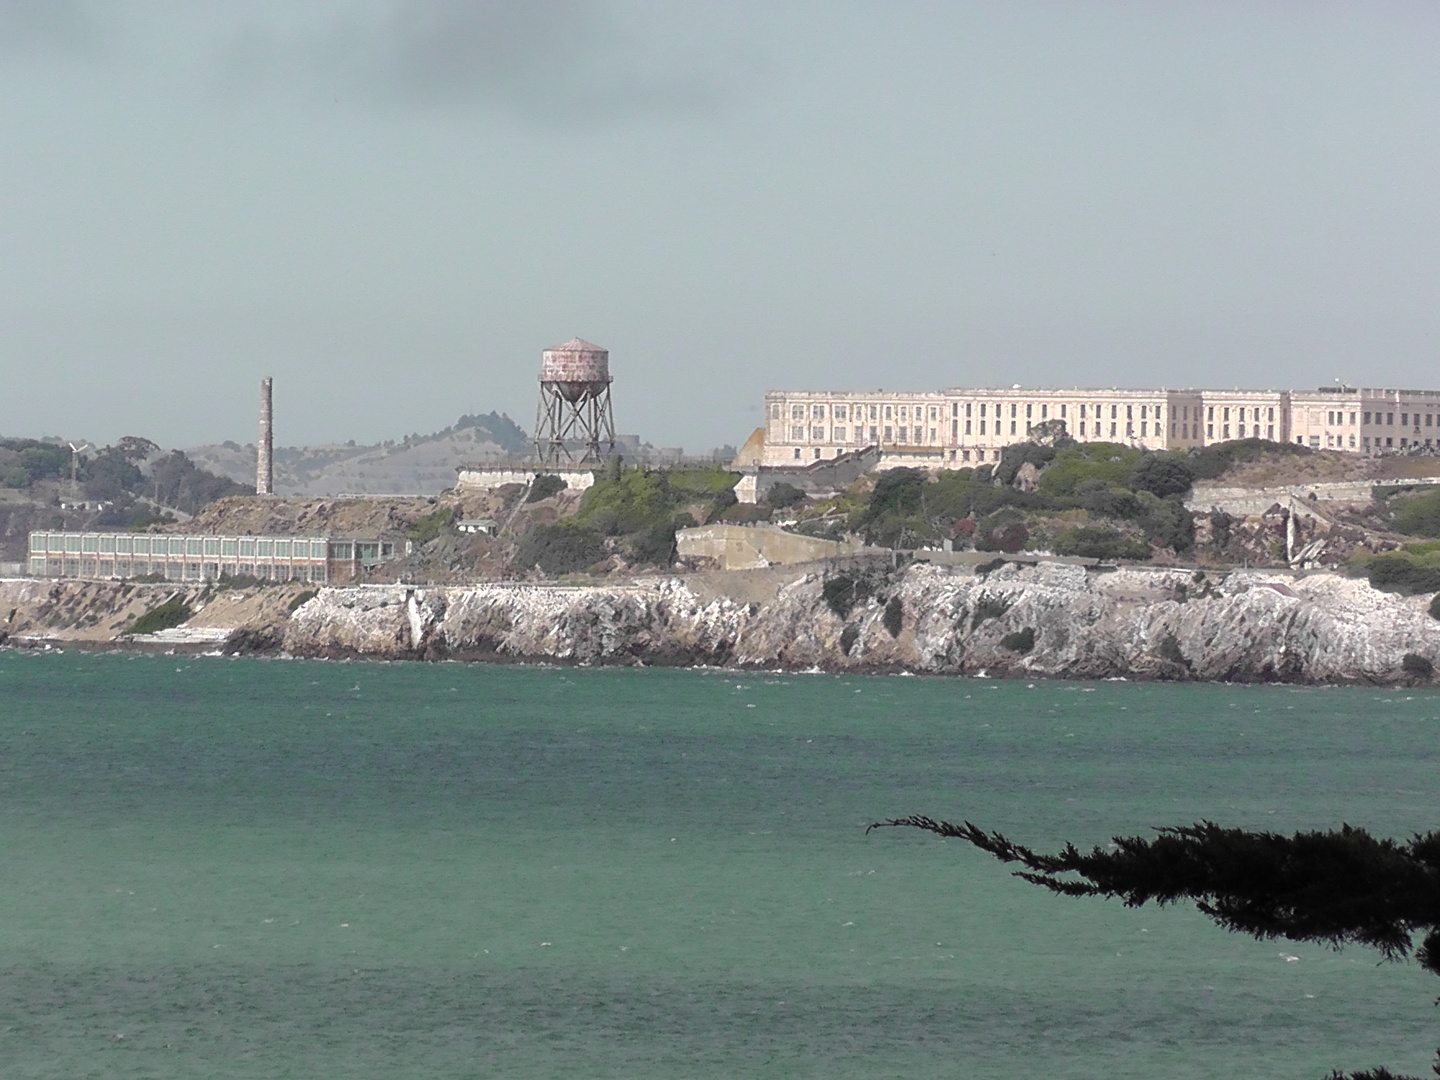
(962, 428)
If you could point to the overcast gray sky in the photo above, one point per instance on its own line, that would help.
(393, 205)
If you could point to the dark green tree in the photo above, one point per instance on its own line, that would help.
(1335, 888)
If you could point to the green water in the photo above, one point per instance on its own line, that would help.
(242, 868)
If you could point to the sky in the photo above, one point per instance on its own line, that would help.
(392, 206)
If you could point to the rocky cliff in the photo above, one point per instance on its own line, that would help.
(1046, 620)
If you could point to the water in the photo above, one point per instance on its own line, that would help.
(242, 868)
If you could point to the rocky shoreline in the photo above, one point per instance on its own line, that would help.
(1045, 620)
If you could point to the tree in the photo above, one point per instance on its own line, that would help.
(1336, 887)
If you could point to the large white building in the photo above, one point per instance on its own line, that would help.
(960, 427)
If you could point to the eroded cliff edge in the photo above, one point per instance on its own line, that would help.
(1077, 623)
(1046, 620)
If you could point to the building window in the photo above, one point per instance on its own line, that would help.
(839, 434)
(1082, 410)
(1112, 426)
(1389, 421)
(1270, 434)
(904, 433)
(1114, 414)
(797, 432)
(1144, 424)
(797, 453)
(1029, 412)
(1210, 411)
(1241, 431)
(1352, 442)
(967, 426)
(889, 433)
(964, 455)
(1367, 418)
(817, 434)
(968, 407)
(934, 413)
(1389, 442)
(982, 408)
(1012, 427)
(797, 412)
(982, 424)
(1082, 427)
(979, 455)
(774, 412)
(873, 436)
(1142, 412)
(889, 414)
(1013, 412)
(1210, 429)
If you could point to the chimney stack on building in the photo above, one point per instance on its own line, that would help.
(264, 459)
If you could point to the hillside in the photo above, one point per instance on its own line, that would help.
(414, 465)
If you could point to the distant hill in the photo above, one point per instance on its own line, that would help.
(414, 465)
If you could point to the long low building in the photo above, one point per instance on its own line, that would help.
(959, 427)
(191, 557)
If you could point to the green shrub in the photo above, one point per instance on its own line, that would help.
(843, 589)
(543, 486)
(894, 616)
(17, 478)
(1099, 542)
(1397, 573)
(1416, 515)
(1417, 666)
(654, 546)
(431, 525)
(302, 598)
(1021, 641)
(1162, 475)
(1109, 463)
(560, 549)
(989, 607)
(1170, 650)
(782, 495)
(985, 569)
(1435, 606)
(164, 616)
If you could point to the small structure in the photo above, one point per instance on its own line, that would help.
(488, 526)
(574, 408)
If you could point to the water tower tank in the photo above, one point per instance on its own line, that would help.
(577, 369)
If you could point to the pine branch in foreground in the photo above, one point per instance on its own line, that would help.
(1335, 887)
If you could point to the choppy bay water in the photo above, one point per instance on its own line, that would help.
(241, 868)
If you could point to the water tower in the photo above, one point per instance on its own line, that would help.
(574, 407)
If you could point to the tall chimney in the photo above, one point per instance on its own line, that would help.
(264, 460)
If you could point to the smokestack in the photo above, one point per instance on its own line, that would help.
(264, 460)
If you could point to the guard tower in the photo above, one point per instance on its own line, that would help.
(574, 408)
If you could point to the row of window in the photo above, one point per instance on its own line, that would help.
(183, 546)
(996, 409)
(1389, 421)
(71, 566)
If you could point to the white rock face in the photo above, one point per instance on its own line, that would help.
(1135, 623)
